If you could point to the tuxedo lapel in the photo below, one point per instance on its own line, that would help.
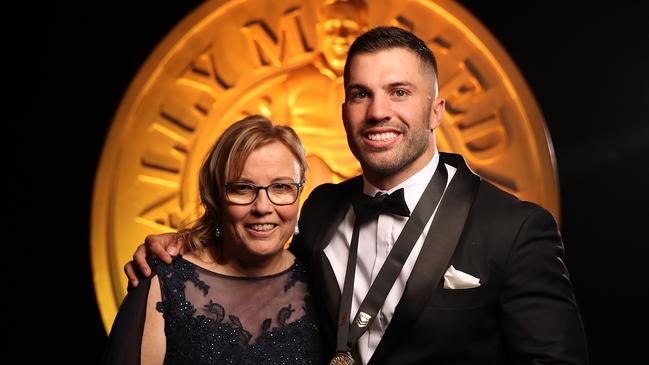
(331, 291)
(435, 254)
(332, 217)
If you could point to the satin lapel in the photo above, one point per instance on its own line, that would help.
(329, 289)
(439, 245)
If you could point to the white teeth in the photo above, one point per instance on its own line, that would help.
(262, 227)
(382, 136)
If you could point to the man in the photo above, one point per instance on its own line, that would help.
(480, 280)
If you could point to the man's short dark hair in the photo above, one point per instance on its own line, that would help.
(383, 38)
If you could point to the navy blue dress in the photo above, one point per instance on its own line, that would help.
(212, 318)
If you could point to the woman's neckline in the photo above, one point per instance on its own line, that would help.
(235, 277)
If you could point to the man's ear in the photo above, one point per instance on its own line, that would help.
(436, 113)
(343, 112)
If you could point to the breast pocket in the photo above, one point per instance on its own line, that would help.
(460, 298)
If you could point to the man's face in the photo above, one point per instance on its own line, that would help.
(389, 114)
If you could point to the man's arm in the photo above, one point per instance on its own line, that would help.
(162, 246)
(540, 318)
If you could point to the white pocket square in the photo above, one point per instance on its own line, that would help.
(456, 279)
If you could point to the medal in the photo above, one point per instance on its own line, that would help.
(342, 358)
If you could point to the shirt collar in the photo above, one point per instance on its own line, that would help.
(413, 187)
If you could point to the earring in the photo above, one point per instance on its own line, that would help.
(217, 232)
(296, 231)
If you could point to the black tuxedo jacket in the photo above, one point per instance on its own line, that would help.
(524, 311)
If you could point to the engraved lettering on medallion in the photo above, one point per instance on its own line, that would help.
(202, 74)
(267, 48)
(473, 109)
(402, 22)
(164, 155)
(164, 159)
(162, 214)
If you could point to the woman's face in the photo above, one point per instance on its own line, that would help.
(258, 231)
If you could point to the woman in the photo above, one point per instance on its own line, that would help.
(237, 297)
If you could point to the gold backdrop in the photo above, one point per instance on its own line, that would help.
(284, 59)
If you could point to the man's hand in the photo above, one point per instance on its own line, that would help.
(162, 246)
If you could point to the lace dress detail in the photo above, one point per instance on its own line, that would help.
(212, 318)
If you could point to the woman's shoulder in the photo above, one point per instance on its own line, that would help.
(176, 274)
(179, 268)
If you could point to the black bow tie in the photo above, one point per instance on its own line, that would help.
(367, 207)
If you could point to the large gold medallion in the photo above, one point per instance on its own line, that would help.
(284, 59)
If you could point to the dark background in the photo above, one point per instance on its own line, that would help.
(70, 64)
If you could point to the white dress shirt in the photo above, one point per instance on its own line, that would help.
(376, 239)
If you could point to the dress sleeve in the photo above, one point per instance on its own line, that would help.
(125, 339)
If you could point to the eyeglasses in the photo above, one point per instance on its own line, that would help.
(281, 193)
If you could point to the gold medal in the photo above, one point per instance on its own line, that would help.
(342, 358)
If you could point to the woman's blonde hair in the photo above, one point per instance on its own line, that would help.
(225, 162)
